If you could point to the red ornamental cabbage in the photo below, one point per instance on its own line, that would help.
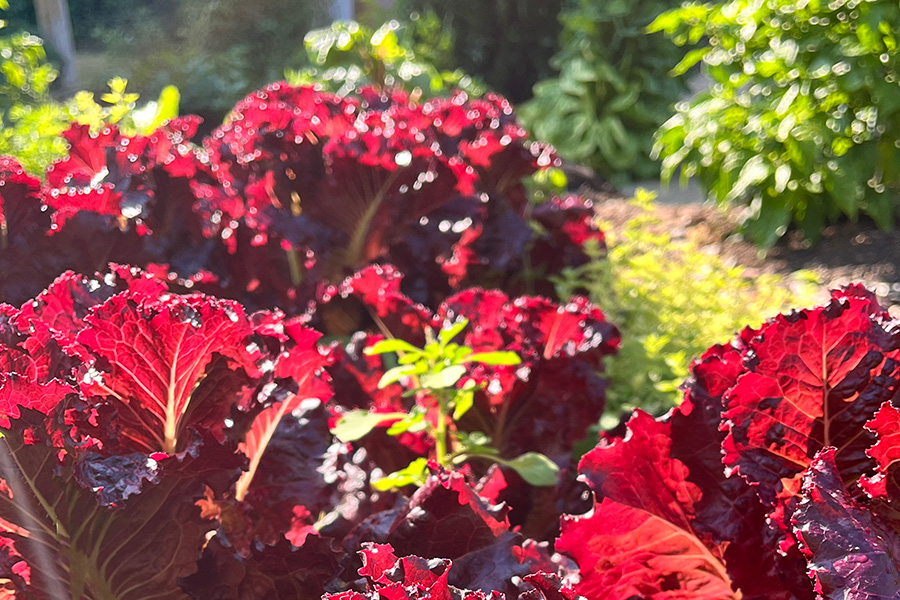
(730, 511)
(20, 207)
(163, 365)
(812, 379)
(299, 367)
(113, 197)
(446, 519)
(641, 540)
(885, 424)
(116, 415)
(410, 577)
(312, 172)
(780, 461)
(296, 188)
(108, 173)
(852, 554)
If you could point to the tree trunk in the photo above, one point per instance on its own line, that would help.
(55, 26)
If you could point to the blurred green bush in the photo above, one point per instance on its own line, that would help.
(505, 43)
(31, 121)
(348, 55)
(802, 121)
(215, 51)
(612, 91)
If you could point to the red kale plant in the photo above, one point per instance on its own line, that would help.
(543, 404)
(774, 479)
(157, 445)
(113, 198)
(297, 188)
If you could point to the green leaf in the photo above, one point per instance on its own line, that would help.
(392, 375)
(393, 345)
(414, 421)
(495, 358)
(454, 330)
(442, 379)
(754, 171)
(414, 474)
(168, 102)
(356, 424)
(474, 445)
(690, 59)
(462, 403)
(534, 468)
(782, 176)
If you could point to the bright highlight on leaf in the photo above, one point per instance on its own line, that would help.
(358, 423)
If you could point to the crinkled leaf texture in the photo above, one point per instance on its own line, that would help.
(417, 578)
(410, 577)
(852, 554)
(730, 511)
(98, 500)
(641, 539)
(164, 363)
(76, 548)
(811, 379)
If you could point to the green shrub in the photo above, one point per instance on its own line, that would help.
(802, 122)
(348, 55)
(612, 91)
(671, 301)
(505, 43)
(215, 51)
(30, 122)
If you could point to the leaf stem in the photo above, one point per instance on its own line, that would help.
(440, 437)
(293, 260)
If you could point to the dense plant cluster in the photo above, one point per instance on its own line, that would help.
(800, 124)
(178, 427)
(612, 90)
(143, 423)
(298, 187)
(163, 444)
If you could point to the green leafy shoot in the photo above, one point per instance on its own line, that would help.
(414, 474)
(437, 372)
(357, 423)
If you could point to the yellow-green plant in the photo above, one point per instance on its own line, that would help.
(671, 301)
(432, 375)
(31, 131)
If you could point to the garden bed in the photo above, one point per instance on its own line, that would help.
(848, 252)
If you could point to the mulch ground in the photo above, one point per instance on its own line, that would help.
(848, 252)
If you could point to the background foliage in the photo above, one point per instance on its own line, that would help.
(612, 91)
(506, 43)
(801, 124)
(214, 50)
(347, 55)
(31, 121)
